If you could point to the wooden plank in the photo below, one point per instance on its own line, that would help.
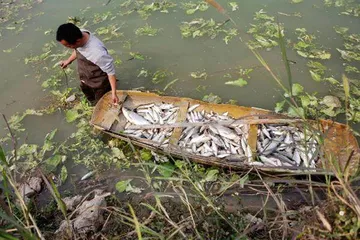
(112, 114)
(252, 139)
(224, 123)
(180, 118)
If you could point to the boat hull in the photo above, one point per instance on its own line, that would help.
(340, 147)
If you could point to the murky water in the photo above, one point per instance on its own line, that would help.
(168, 50)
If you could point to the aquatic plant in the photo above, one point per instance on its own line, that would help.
(147, 30)
(265, 31)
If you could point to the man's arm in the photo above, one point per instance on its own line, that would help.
(65, 63)
(112, 80)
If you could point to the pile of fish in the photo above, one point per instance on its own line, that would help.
(148, 114)
(286, 146)
(214, 139)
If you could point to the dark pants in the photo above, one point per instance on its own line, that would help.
(93, 95)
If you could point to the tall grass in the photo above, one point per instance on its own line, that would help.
(340, 190)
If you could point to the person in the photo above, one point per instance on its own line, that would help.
(94, 64)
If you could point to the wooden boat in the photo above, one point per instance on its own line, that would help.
(339, 145)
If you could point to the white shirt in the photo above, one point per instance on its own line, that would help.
(95, 51)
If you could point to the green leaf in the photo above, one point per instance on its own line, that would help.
(279, 106)
(331, 101)
(296, 89)
(6, 236)
(329, 112)
(166, 170)
(234, 6)
(332, 80)
(296, 112)
(179, 164)
(48, 145)
(240, 82)
(2, 157)
(122, 185)
(191, 11)
(25, 233)
(145, 154)
(52, 162)
(212, 98)
(305, 100)
(211, 175)
(72, 115)
(63, 174)
(132, 189)
(170, 83)
(118, 153)
(341, 30)
(315, 76)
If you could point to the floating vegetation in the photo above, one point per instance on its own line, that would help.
(145, 10)
(306, 47)
(351, 7)
(160, 76)
(98, 18)
(265, 31)
(75, 20)
(317, 70)
(212, 98)
(199, 75)
(234, 6)
(9, 9)
(108, 32)
(351, 45)
(192, 7)
(200, 27)
(162, 7)
(147, 30)
(170, 84)
(143, 73)
(136, 55)
(351, 69)
(239, 82)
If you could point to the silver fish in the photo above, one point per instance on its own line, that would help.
(134, 118)
(193, 107)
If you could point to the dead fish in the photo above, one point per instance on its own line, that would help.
(193, 107)
(88, 175)
(134, 118)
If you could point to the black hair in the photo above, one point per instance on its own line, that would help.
(68, 32)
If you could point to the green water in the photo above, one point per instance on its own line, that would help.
(168, 50)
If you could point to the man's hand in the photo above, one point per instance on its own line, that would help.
(64, 64)
(115, 99)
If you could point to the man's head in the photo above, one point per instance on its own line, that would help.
(69, 35)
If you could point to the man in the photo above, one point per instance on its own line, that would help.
(95, 66)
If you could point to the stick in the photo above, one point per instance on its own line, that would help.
(224, 123)
(66, 79)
